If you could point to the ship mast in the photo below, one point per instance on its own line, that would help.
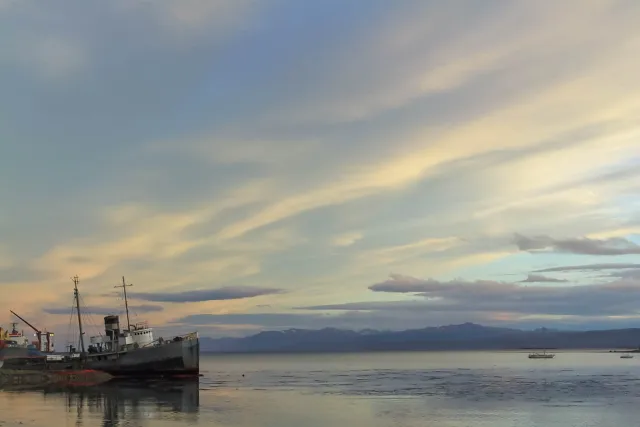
(126, 303)
(77, 298)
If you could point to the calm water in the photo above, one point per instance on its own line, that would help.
(383, 389)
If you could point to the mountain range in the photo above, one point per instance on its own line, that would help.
(467, 336)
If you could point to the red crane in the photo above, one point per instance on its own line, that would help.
(48, 344)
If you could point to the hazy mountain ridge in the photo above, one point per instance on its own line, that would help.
(467, 336)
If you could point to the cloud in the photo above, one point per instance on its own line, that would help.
(200, 15)
(184, 20)
(262, 319)
(221, 294)
(628, 274)
(138, 238)
(405, 284)
(539, 278)
(609, 299)
(417, 153)
(145, 308)
(58, 42)
(424, 154)
(17, 273)
(619, 175)
(53, 58)
(584, 246)
(589, 267)
(251, 141)
(346, 239)
(440, 302)
(391, 254)
(425, 49)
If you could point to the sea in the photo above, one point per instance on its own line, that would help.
(434, 389)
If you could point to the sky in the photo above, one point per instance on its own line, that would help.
(264, 165)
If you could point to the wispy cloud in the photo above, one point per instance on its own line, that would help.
(614, 298)
(464, 45)
(346, 239)
(585, 246)
(221, 294)
(253, 148)
(627, 274)
(589, 267)
(436, 302)
(145, 308)
(17, 273)
(539, 278)
(199, 15)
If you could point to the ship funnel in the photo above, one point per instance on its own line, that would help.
(112, 327)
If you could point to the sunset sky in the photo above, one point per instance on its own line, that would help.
(254, 165)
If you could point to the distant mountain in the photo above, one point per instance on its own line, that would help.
(467, 336)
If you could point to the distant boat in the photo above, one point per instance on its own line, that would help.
(543, 355)
(626, 356)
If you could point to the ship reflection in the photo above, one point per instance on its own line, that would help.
(123, 402)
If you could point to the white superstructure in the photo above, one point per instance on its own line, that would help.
(117, 340)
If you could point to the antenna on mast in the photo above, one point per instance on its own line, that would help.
(76, 296)
(126, 303)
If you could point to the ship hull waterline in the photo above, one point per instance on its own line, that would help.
(173, 359)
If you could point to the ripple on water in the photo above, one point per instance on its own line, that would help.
(562, 386)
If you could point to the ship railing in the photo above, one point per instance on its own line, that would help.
(161, 341)
(140, 325)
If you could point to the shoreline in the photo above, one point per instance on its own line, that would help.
(504, 350)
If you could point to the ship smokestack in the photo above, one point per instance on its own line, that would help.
(112, 327)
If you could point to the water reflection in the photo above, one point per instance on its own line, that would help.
(130, 400)
(372, 390)
(119, 403)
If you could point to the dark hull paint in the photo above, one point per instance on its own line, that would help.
(174, 359)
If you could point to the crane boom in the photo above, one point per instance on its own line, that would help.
(27, 323)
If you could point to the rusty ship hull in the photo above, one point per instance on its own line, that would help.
(172, 359)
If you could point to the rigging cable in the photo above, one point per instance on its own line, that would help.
(88, 319)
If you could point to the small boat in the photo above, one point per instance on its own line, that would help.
(626, 356)
(543, 355)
